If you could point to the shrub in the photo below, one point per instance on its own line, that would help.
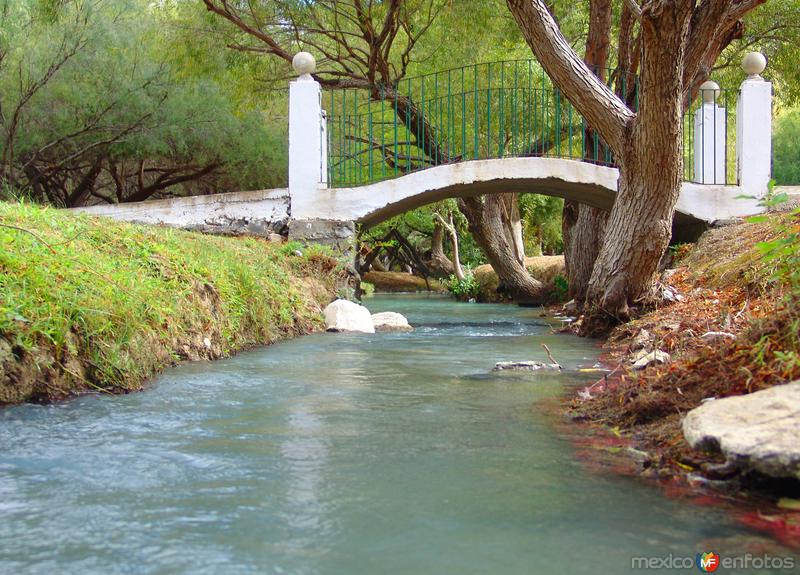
(561, 287)
(466, 288)
(367, 289)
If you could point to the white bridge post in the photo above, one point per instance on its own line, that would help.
(311, 219)
(306, 137)
(754, 128)
(710, 121)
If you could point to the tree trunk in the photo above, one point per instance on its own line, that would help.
(581, 247)
(451, 229)
(651, 166)
(485, 217)
(439, 264)
(583, 226)
(513, 225)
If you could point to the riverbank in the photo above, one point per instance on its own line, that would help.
(95, 305)
(549, 270)
(400, 282)
(731, 329)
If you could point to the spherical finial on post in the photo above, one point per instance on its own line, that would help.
(304, 64)
(709, 91)
(753, 64)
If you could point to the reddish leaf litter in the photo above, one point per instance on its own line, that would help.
(723, 326)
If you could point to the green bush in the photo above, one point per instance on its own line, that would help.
(786, 148)
(466, 288)
(561, 287)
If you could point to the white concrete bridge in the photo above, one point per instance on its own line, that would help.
(336, 182)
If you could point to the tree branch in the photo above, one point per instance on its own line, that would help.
(603, 110)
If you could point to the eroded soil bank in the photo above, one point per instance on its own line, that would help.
(728, 326)
(90, 304)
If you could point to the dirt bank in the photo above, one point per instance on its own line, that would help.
(394, 282)
(544, 268)
(90, 304)
(731, 329)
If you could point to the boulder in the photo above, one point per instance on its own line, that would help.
(525, 365)
(346, 316)
(390, 321)
(756, 432)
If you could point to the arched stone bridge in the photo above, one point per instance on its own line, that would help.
(364, 161)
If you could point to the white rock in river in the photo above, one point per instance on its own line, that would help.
(390, 321)
(524, 365)
(344, 315)
(760, 431)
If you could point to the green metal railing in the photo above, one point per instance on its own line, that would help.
(482, 111)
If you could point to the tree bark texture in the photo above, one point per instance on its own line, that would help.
(583, 226)
(485, 219)
(651, 166)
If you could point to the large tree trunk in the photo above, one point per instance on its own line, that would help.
(582, 243)
(583, 226)
(485, 217)
(651, 166)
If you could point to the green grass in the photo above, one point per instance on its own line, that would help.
(94, 303)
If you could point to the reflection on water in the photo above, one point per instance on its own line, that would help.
(386, 453)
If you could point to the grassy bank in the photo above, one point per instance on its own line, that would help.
(89, 304)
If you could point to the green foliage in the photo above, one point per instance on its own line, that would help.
(466, 288)
(541, 216)
(417, 227)
(122, 298)
(782, 255)
(101, 85)
(786, 148)
(561, 287)
(680, 252)
(367, 289)
(773, 29)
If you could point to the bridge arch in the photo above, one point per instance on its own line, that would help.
(586, 183)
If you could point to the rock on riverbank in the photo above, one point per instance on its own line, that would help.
(345, 316)
(756, 432)
(390, 321)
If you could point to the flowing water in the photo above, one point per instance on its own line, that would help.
(386, 453)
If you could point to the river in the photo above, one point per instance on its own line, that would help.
(329, 454)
